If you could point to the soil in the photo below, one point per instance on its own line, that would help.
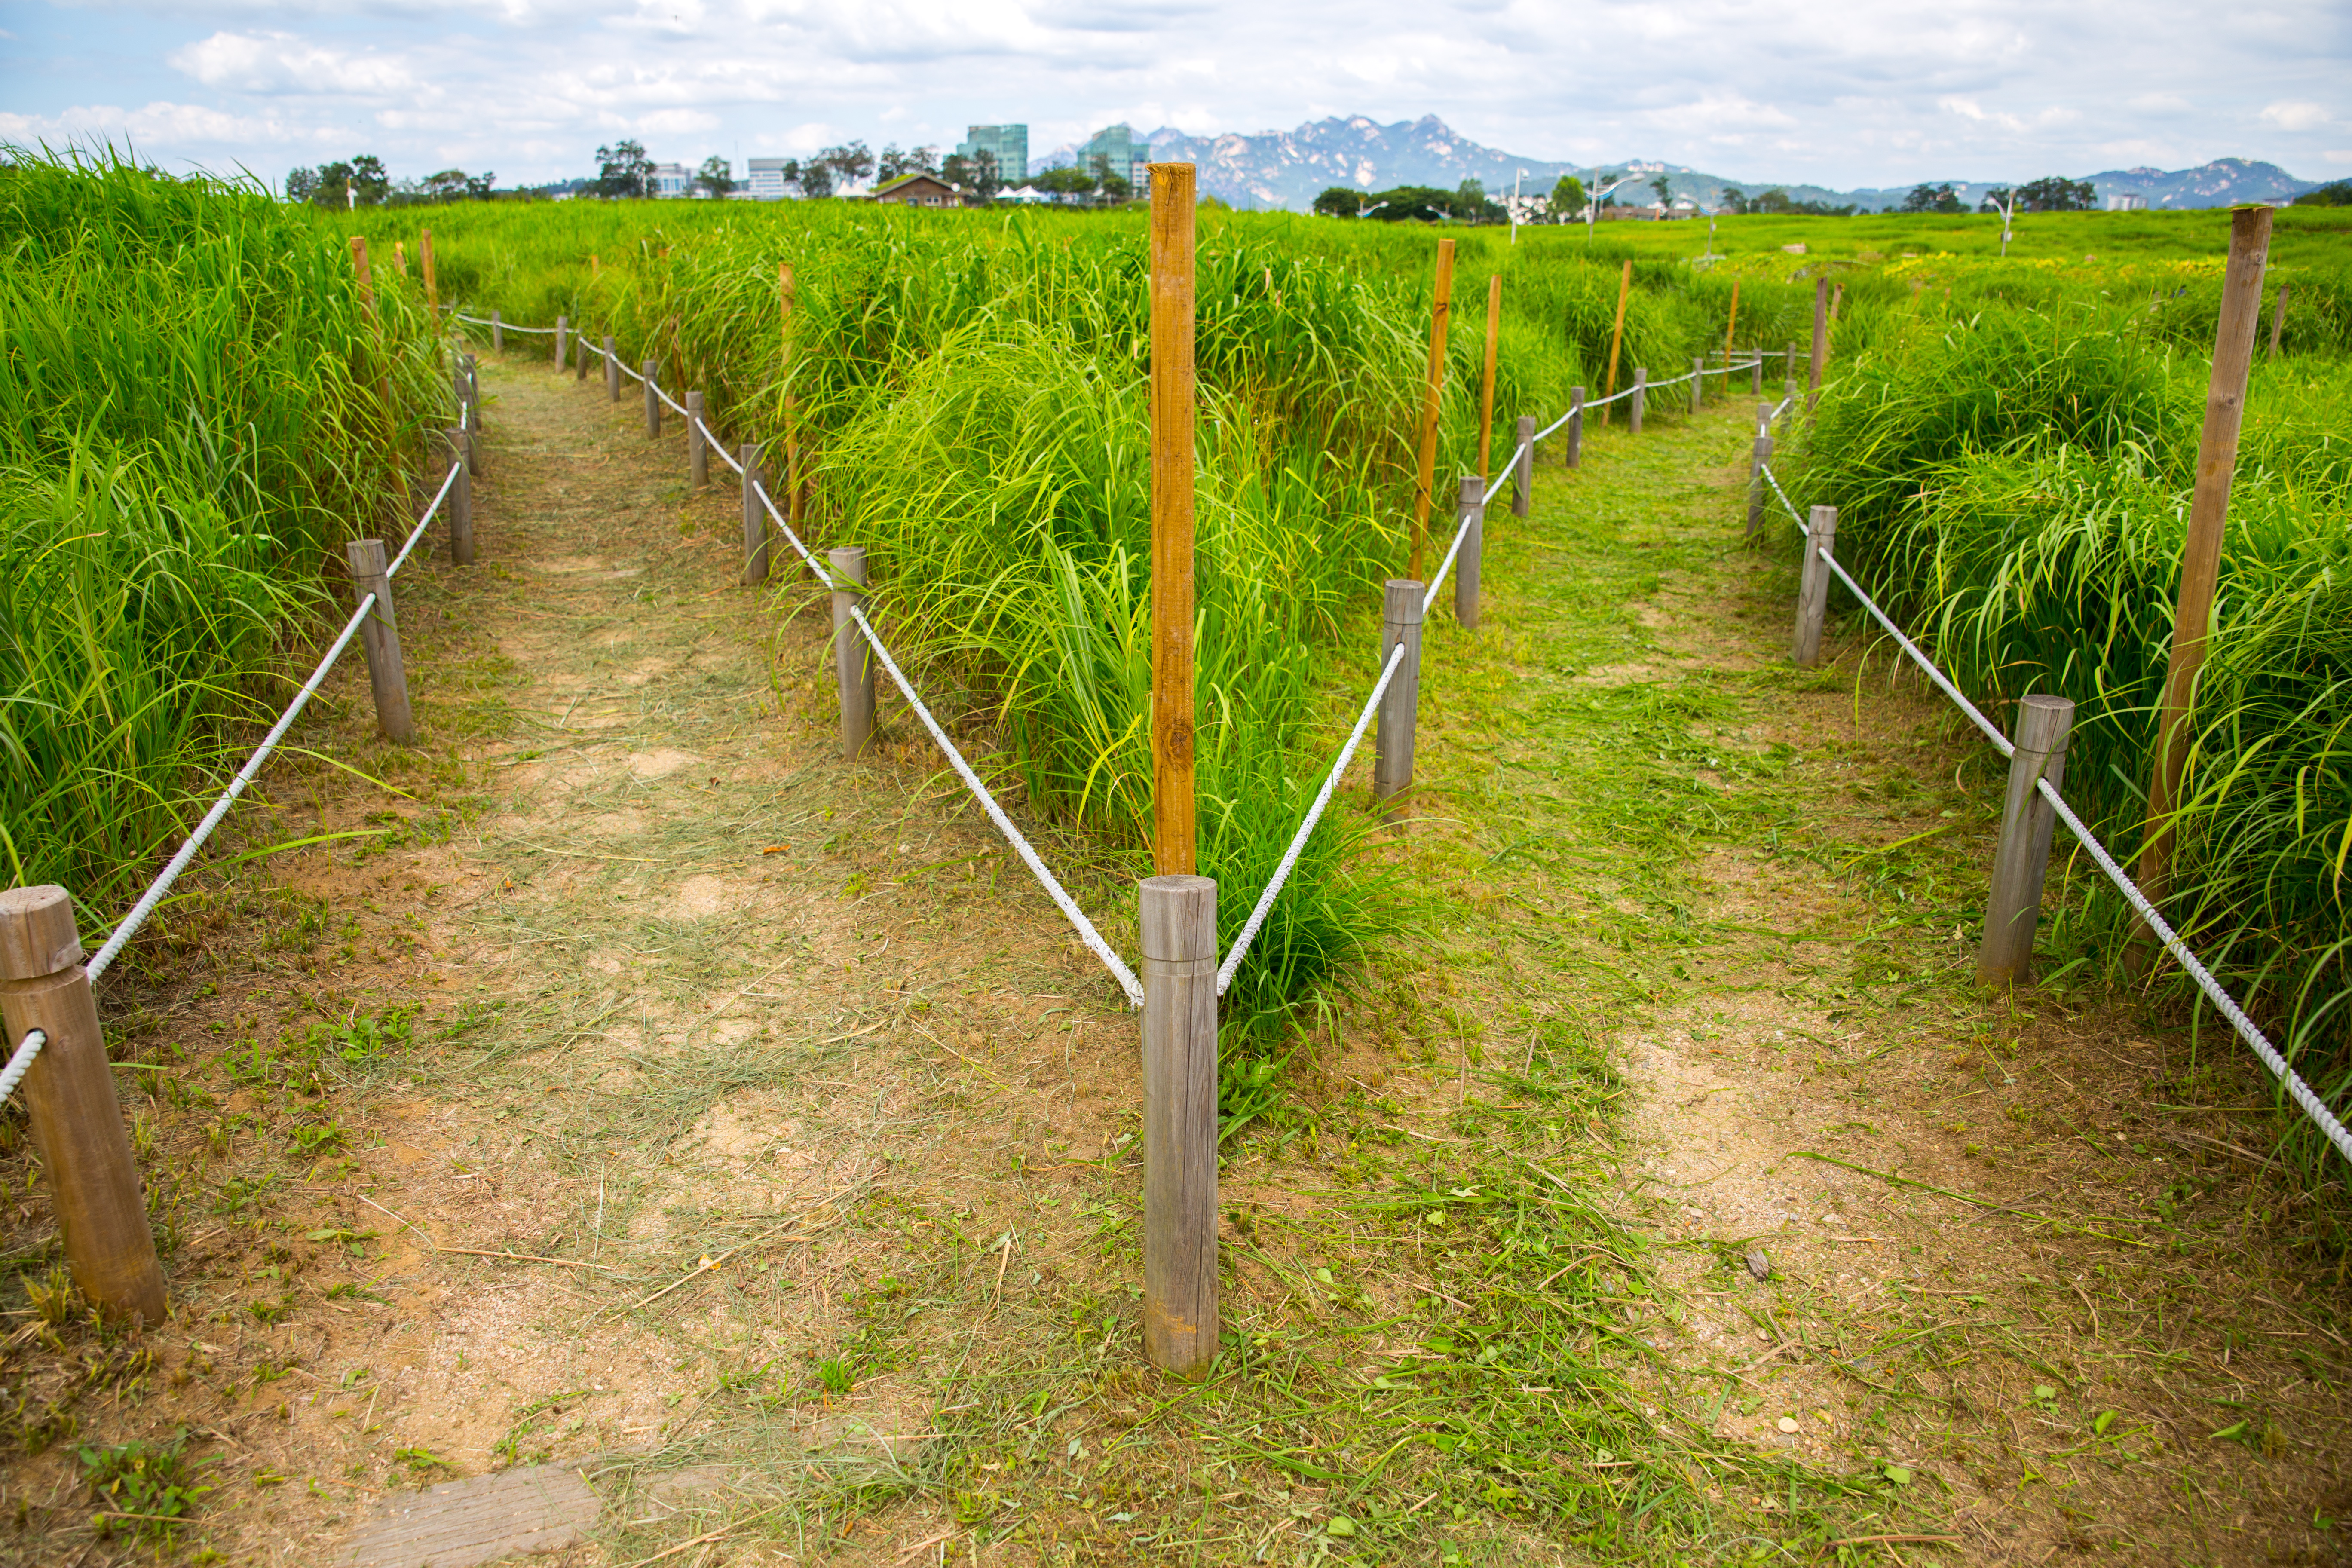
(647, 1092)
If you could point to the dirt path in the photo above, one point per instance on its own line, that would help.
(804, 1132)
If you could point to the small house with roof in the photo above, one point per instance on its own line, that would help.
(920, 190)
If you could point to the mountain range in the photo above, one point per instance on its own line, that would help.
(1289, 168)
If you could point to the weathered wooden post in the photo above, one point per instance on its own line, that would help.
(1821, 344)
(1523, 467)
(612, 371)
(1641, 396)
(697, 449)
(1756, 373)
(563, 344)
(580, 358)
(1813, 585)
(498, 332)
(1470, 517)
(379, 640)
(1440, 308)
(1574, 442)
(755, 517)
(69, 1098)
(1762, 454)
(2022, 860)
(1400, 615)
(853, 665)
(2209, 514)
(461, 502)
(470, 399)
(1698, 383)
(1180, 1123)
(650, 373)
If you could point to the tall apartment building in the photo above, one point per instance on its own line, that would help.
(672, 180)
(764, 179)
(1127, 155)
(1008, 145)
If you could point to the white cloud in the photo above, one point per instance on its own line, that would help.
(2294, 116)
(2335, 155)
(283, 63)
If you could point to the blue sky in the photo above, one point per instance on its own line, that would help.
(1838, 95)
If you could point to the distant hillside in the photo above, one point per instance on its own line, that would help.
(1290, 168)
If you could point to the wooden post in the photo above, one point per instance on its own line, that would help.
(375, 330)
(432, 286)
(69, 1097)
(1820, 341)
(1575, 432)
(1523, 468)
(755, 516)
(1813, 587)
(698, 451)
(1470, 517)
(2020, 864)
(1756, 372)
(852, 664)
(1698, 383)
(1730, 330)
(650, 372)
(1180, 1120)
(1641, 396)
(1174, 833)
(612, 371)
(470, 400)
(498, 332)
(580, 357)
(2208, 511)
(1393, 742)
(1441, 307)
(1762, 456)
(1616, 339)
(461, 502)
(2278, 318)
(380, 639)
(562, 332)
(1487, 378)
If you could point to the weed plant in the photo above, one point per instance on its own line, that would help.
(189, 422)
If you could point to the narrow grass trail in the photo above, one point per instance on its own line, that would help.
(802, 1131)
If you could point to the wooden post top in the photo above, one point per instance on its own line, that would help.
(2043, 721)
(1180, 919)
(1824, 523)
(366, 557)
(1474, 489)
(1401, 600)
(37, 935)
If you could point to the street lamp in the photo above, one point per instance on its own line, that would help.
(1593, 201)
(2007, 210)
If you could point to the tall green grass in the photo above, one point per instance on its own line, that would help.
(188, 422)
(2014, 481)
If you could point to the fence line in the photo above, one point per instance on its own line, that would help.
(503, 326)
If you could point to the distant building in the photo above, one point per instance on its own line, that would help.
(1008, 145)
(1128, 158)
(919, 190)
(2127, 202)
(673, 180)
(764, 179)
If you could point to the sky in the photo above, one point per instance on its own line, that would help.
(1835, 94)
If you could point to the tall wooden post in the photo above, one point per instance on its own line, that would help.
(1487, 378)
(1763, 455)
(1635, 405)
(2278, 318)
(461, 500)
(2005, 956)
(432, 287)
(1573, 437)
(379, 640)
(1470, 517)
(1180, 1116)
(1173, 393)
(375, 330)
(697, 449)
(1523, 467)
(1433, 391)
(1400, 618)
(1698, 383)
(1820, 341)
(755, 516)
(498, 332)
(649, 374)
(562, 332)
(853, 662)
(2208, 511)
(1616, 339)
(69, 1097)
(612, 371)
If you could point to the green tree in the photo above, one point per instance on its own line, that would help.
(1568, 197)
(1666, 189)
(717, 176)
(446, 185)
(1069, 180)
(623, 172)
(2056, 193)
(301, 183)
(2335, 193)
(1733, 199)
(848, 163)
(1933, 199)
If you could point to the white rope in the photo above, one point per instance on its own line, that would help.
(1802, 527)
(1054, 891)
(163, 884)
(823, 575)
(1605, 402)
(2000, 742)
(1544, 434)
(712, 442)
(2298, 1091)
(504, 326)
(21, 1062)
(1314, 813)
(418, 532)
(676, 406)
(1504, 477)
(1446, 565)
